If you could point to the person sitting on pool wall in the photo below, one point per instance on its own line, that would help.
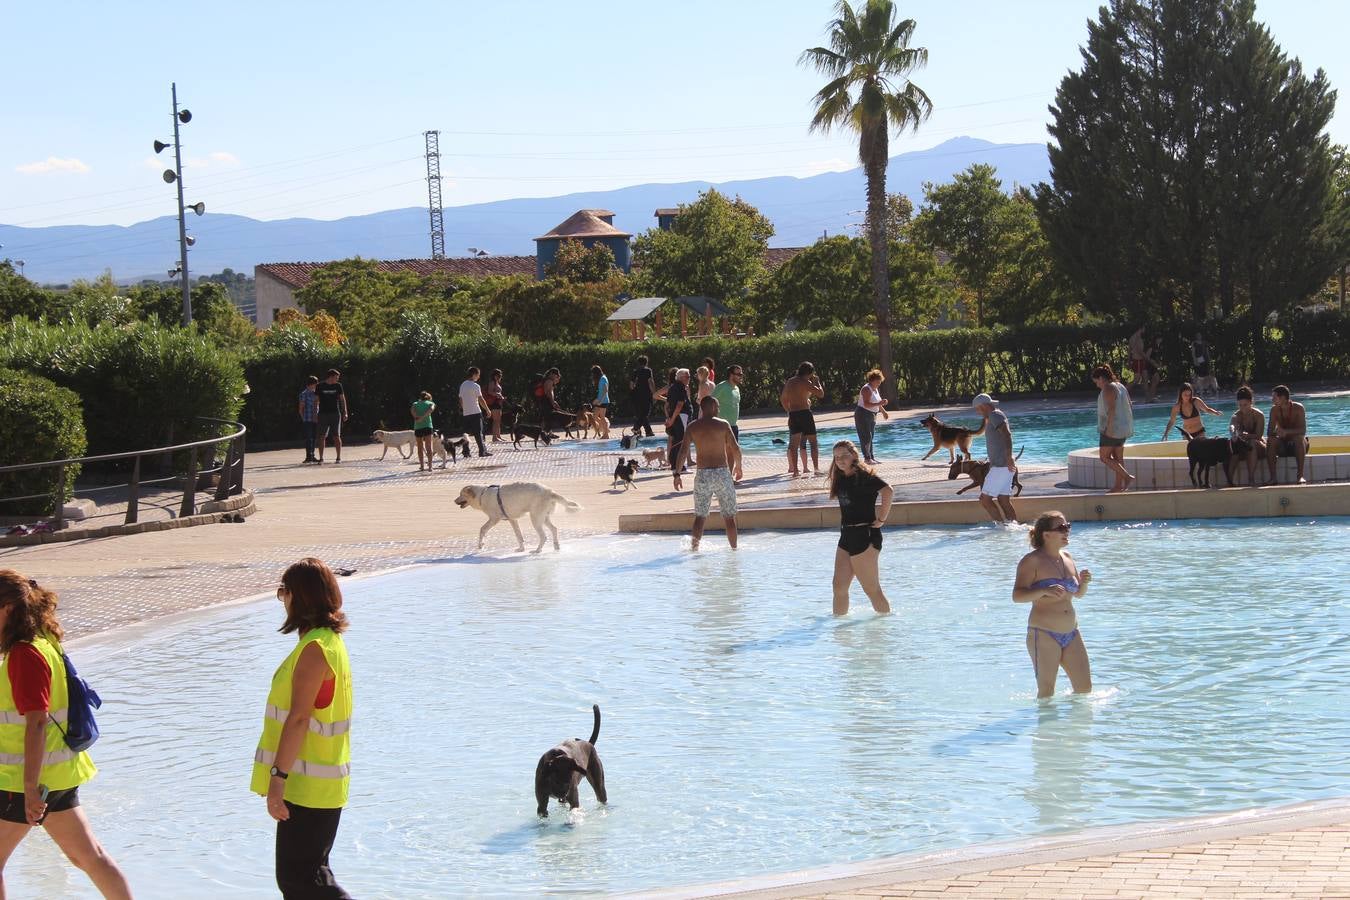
(1049, 580)
(718, 469)
(302, 763)
(996, 492)
(858, 554)
(40, 776)
(1287, 433)
(1246, 432)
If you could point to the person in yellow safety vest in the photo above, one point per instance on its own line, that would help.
(39, 775)
(303, 757)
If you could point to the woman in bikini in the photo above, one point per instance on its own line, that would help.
(1189, 407)
(856, 485)
(1048, 579)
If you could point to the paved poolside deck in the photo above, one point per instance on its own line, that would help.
(367, 514)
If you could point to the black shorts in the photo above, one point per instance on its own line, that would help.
(1106, 441)
(423, 432)
(11, 804)
(330, 423)
(856, 539)
(801, 422)
(1287, 446)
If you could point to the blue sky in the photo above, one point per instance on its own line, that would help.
(317, 110)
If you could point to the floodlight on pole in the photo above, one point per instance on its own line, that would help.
(174, 176)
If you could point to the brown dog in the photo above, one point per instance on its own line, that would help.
(582, 424)
(977, 470)
(950, 437)
(560, 771)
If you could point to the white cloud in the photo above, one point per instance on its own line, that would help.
(217, 159)
(52, 165)
(817, 166)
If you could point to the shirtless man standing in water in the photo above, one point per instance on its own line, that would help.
(719, 468)
(796, 398)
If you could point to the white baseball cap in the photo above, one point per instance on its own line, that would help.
(983, 400)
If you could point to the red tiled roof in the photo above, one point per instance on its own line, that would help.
(776, 256)
(584, 223)
(297, 274)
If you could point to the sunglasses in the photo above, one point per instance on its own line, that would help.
(281, 592)
(1062, 528)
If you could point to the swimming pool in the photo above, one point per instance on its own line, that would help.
(745, 730)
(1048, 437)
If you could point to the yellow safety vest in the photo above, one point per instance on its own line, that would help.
(62, 767)
(318, 777)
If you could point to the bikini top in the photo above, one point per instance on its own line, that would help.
(1195, 411)
(1069, 584)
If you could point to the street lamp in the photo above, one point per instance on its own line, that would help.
(175, 176)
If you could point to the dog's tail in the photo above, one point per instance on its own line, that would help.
(980, 430)
(595, 732)
(1019, 453)
(571, 505)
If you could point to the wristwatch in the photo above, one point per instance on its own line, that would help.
(277, 773)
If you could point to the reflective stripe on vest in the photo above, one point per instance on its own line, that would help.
(50, 758)
(301, 767)
(323, 729)
(17, 718)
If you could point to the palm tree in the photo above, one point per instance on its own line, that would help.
(869, 54)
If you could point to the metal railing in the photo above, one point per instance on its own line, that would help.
(230, 472)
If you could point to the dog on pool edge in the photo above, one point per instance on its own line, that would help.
(950, 437)
(1204, 454)
(978, 470)
(561, 769)
(511, 501)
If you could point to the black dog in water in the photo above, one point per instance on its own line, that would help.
(560, 770)
(624, 472)
(1205, 454)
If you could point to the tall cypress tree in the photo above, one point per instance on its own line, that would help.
(1190, 167)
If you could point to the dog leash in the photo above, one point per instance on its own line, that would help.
(499, 499)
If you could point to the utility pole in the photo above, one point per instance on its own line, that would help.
(182, 220)
(434, 194)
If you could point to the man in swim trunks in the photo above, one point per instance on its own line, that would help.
(719, 468)
(996, 492)
(796, 398)
(1288, 432)
(1245, 432)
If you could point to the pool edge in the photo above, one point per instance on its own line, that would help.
(986, 857)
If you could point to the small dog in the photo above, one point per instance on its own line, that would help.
(950, 437)
(624, 472)
(1204, 454)
(978, 471)
(521, 431)
(657, 456)
(508, 502)
(628, 441)
(396, 439)
(447, 446)
(581, 424)
(560, 771)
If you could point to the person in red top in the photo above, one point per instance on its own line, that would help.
(28, 615)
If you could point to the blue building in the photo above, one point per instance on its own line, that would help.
(591, 227)
(665, 217)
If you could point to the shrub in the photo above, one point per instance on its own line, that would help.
(141, 385)
(39, 421)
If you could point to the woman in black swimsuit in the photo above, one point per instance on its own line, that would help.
(1191, 428)
(857, 487)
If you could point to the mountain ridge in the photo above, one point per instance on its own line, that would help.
(802, 208)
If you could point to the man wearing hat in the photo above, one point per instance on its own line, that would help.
(998, 444)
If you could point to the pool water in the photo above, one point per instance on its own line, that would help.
(1048, 437)
(745, 729)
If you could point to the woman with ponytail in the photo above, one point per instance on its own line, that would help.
(39, 775)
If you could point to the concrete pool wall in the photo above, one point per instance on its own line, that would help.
(1163, 464)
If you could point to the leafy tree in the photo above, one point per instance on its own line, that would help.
(554, 309)
(321, 324)
(869, 54)
(1027, 286)
(214, 313)
(715, 248)
(577, 262)
(19, 296)
(366, 300)
(1191, 169)
(964, 218)
(899, 213)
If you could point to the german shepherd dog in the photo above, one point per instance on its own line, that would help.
(977, 470)
(950, 437)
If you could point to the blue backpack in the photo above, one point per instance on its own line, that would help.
(81, 730)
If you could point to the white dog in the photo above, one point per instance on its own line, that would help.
(510, 502)
(397, 439)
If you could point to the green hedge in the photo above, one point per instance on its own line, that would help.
(140, 385)
(930, 367)
(39, 421)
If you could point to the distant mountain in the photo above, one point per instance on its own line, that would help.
(801, 209)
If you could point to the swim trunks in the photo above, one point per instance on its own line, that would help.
(12, 808)
(801, 422)
(998, 483)
(856, 539)
(1107, 441)
(709, 482)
